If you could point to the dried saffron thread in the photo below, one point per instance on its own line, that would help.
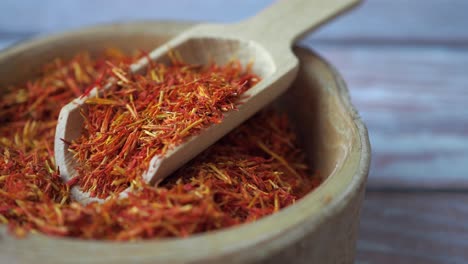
(233, 182)
(147, 114)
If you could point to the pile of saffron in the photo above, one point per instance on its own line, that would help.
(144, 115)
(252, 172)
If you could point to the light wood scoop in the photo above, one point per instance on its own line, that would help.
(265, 39)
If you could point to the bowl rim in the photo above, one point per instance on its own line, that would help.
(297, 220)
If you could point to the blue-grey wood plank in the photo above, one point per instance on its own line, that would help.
(426, 228)
(442, 21)
(414, 102)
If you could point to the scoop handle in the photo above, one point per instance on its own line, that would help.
(289, 20)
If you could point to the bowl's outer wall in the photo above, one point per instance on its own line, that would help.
(319, 105)
(327, 125)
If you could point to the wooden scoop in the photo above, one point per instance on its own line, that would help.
(265, 39)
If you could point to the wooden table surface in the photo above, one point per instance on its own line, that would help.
(406, 64)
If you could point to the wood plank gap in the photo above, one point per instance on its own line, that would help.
(384, 42)
(416, 190)
(16, 34)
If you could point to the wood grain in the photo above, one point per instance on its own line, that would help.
(402, 21)
(413, 100)
(414, 228)
(440, 21)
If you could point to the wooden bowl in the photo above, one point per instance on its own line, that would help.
(320, 228)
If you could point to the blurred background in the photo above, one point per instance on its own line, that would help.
(406, 65)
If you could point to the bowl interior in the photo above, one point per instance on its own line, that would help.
(22, 62)
(317, 104)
